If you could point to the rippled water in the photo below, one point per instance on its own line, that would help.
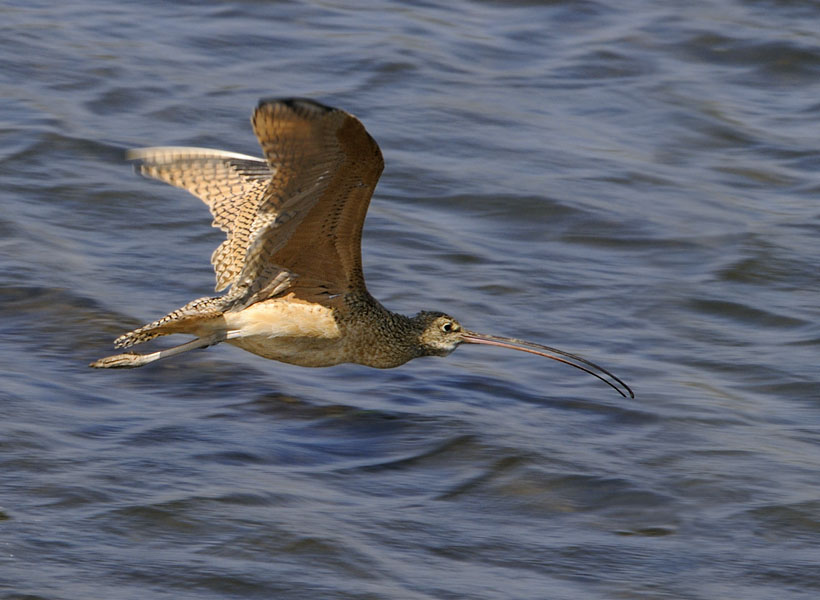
(634, 181)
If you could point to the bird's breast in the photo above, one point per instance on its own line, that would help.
(288, 330)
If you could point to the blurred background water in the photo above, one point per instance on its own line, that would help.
(634, 181)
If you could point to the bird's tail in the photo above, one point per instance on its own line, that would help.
(188, 319)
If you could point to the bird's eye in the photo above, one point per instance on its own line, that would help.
(447, 326)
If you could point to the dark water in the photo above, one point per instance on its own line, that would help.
(635, 181)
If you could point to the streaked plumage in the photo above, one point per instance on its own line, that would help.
(291, 260)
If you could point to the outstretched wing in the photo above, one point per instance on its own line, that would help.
(299, 212)
(310, 222)
(231, 184)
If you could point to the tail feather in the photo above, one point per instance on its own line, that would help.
(183, 320)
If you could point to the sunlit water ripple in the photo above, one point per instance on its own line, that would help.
(637, 183)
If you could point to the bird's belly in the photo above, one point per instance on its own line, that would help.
(305, 352)
(287, 330)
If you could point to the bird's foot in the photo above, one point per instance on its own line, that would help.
(128, 360)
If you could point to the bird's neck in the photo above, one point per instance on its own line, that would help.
(379, 337)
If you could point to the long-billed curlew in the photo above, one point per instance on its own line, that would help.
(292, 257)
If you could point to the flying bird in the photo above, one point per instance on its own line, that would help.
(291, 261)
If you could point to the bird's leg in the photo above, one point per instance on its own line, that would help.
(130, 360)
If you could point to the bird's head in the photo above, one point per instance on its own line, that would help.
(441, 334)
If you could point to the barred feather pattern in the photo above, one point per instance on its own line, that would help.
(232, 185)
(201, 308)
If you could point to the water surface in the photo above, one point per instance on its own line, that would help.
(634, 182)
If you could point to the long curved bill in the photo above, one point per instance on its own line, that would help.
(471, 337)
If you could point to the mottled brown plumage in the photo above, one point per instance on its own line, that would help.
(291, 260)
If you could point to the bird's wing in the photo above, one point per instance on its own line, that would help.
(298, 212)
(310, 219)
(231, 184)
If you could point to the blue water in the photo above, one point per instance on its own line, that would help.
(637, 182)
